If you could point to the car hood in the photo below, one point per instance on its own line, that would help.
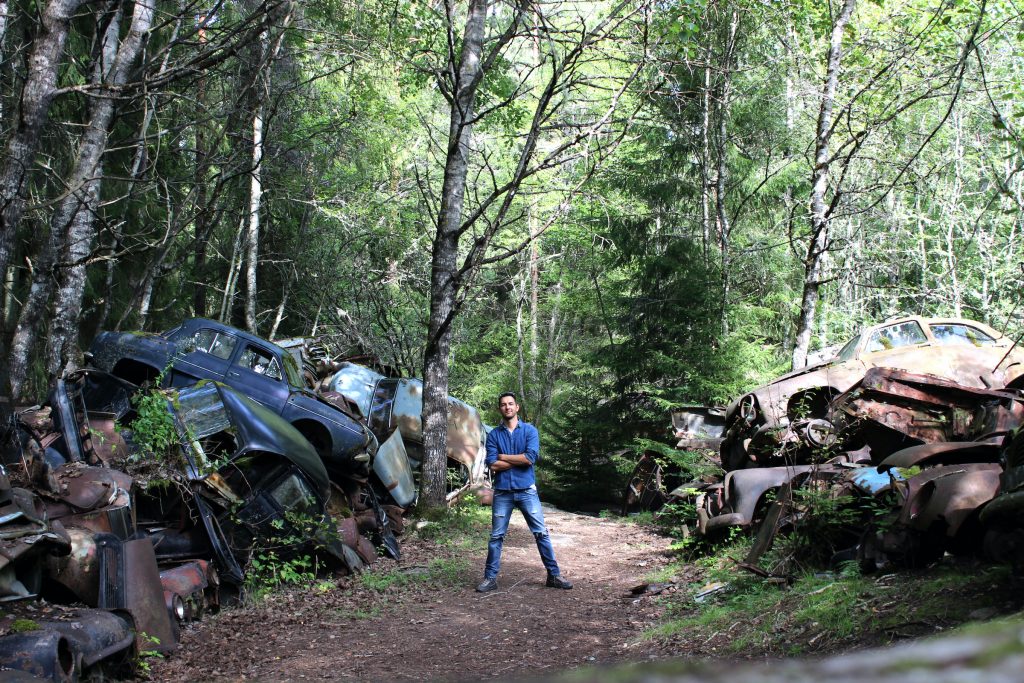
(260, 429)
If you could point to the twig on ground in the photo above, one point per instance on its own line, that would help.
(487, 595)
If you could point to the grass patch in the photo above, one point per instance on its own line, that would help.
(464, 527)
(359, 614)
(437, 573)
(827, 611)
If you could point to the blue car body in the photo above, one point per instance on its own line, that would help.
(201, 349)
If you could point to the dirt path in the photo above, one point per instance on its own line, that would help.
(449, 632)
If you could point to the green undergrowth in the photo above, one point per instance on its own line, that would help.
(464, 527)
(822, 611)
(437, 573)
(459, 536)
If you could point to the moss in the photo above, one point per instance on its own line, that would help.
(24, 625)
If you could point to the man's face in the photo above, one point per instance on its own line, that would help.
(508, 407)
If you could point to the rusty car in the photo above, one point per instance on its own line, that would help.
(969, 353)
(393, 406)
(148, 533)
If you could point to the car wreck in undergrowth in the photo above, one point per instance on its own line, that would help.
(144, 510)
(128, 511)
(910, 465)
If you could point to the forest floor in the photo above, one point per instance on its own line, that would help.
(422, 620)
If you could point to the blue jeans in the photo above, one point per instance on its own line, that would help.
(527, 502)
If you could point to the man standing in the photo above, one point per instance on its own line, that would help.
(512, 450)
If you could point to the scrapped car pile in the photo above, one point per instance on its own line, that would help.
(127, 511)
(915, 428)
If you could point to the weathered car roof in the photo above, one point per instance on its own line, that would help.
(213, 324)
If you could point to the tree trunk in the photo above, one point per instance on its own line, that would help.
(722, 170)
(36, 95)
(705, 162)
(227, 301)
(252, 234)
(202, 198)
(256, 186)
(72, 229)
(443, 267)
(64, 352)
(820, 213)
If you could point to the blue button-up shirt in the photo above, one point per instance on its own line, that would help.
(523, 439)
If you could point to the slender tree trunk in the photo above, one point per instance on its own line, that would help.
(705, 162)
(443, 267)
(270, 54)
(819, 214)
(722, 170)
(36, 96)
(279, 316)
(955, 208)
(64, 352)
(234, 268)
(4, 12)
(252, 234)
(520, 343)
(202, 198)
(534, 294)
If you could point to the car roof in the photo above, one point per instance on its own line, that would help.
(213, 324)
(936, 321)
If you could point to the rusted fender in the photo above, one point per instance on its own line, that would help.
(87, 487)
(949, 495)
(942, 453)
(195, 584)
(62, 650)
(742, 490)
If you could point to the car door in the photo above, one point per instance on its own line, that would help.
(257, 373)
(209, 357)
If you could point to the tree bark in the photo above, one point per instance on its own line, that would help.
(256, 185)
(820, 214)
(722, 170)
(705, 161)
(252, 233)
(72, 227)
(36, 96)
(444, 256)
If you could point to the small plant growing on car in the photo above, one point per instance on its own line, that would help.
(153, 428)
(278, 559)
(144, 660)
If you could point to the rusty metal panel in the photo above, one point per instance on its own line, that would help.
(88, 488)
(894, 409)
(949, 495)
(130, 581)
(392, 467)
(942, 453)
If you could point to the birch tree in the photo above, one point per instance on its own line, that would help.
(820, 217)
